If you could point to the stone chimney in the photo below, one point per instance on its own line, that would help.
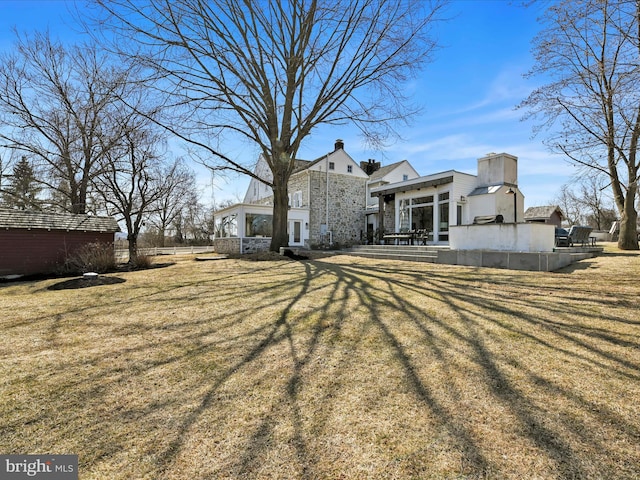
(339, 145)
(370, 166)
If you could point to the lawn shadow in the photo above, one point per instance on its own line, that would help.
(311, 335)
(376, 295)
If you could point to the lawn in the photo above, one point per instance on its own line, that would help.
(333, 368)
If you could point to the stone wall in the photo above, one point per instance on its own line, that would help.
(390, 217)
(346, 207)
(226, 245)
(300, 183)
(255, 244)
(248, 244)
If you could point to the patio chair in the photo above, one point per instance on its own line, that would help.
(579, 235)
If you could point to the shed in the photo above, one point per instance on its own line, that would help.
(39, 242)
(549, 214)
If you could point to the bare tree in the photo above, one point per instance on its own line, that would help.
(572, 208)
(6, 166)
(130, 182)
(587, 203)
(179, 192)
(601, 211)
(195, 224)
(272, 72)
(55, 106)
(589, 51)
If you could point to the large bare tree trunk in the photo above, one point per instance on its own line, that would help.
(628, 238)
(281, 166)
(280, 237)
(133, 248)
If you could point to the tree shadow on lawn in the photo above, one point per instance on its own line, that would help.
(457, 344)
(550, 434)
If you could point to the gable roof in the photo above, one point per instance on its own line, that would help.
(542, 212)
(29, 220)
(300, 165)
(382, 171)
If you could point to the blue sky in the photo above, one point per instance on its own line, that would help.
(469, 93)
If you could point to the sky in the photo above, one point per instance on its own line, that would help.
(468, 93)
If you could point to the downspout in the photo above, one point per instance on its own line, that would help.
(327, 205)
(308, 221)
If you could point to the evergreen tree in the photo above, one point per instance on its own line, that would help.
(23, 188)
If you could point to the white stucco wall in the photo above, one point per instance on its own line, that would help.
(495, 169)
(498, 203)
(519, 237)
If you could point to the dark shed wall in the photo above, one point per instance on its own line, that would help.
(29, 252)
(556, 219)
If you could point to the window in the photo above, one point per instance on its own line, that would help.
(443, 216)
(332, 166)
(422, 200)
(258, 225)
(297, 200)
(349, 168)
(422, 215)
(227, 226)
(405, 178)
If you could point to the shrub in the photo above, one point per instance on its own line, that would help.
(141, 262)
(91, 257)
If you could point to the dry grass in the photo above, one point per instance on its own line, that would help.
(336, 368)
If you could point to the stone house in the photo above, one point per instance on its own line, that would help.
(334, 201)
(326, 206)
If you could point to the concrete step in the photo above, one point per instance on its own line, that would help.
(397, 256)
(400, 248)
(411, 253)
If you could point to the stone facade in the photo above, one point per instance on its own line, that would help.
(227, 245)
(299, 182)
(255, 244)
(346, 205)
(241, 245)
(346, 208)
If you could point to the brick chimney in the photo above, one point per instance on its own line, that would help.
(339, 145)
